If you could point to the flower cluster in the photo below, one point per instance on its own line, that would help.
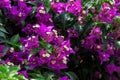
(61, 39)
(93, 42)
(19, 12)
(108, 12)
(43, 30)
(5, 4)
(72, 6)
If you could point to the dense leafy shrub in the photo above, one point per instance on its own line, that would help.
(60, 39)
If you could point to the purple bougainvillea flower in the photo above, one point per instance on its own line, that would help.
(74, 6)
(57, 63)
(59, 7)
(110, 50)
(43, 29)
(96, 32)
(34, 62)
(65, 47)
(43, 17)
(92, 41)
(1, 50)
(23, 72)
(111, 68)
(28, 29)
(44, 56)
(107, 13)
(72, 33)
(89, 42)
(21, 2)
(5, 4)
(64, 78)
(30, 42)
(104, 57)
(16, 57)
(45, 32)
(49, 37)
(58, 40)
(117, 3)
(57, 49)
(19, 12)
(98, 47)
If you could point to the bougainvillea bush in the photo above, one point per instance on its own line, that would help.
(59, 39)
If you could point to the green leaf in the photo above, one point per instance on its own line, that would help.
(89, 17)
(3, 69)
(117, 44)
(3, 76)
(31, 3)
(3, 29)
(48, 47)
(2, 35)
(78, 27)
(36, 76)
(97, 1)
(49, 76)
(88, 5)
(20, 77)
(47, 5)
(23, 23)
(105, 30)
(117, 19)
(64, 20)
(67, 18)
(43, 43)
(13, 71)
(63, 0)
(15, 39)
(72, 75)
(34, 51)
(10, 73)
(34, 10)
